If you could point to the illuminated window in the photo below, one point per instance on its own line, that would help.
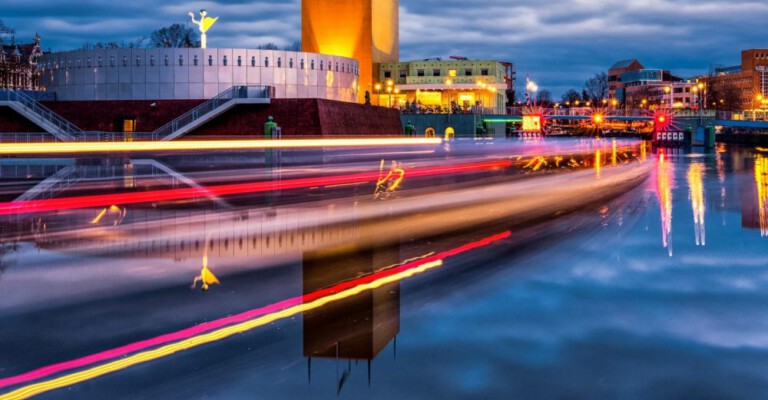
(452, 72)
(129, 125)
(195, 60)
(210, 60)
(266, 61)
(224, 61)
(152, 61)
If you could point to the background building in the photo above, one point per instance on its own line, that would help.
(632, 85)
(195, 74)
(365, 30)
(18, 66)
(747, 83)
(439, 86)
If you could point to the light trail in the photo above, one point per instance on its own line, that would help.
(104, 200)
(204, 145)
(223, 328)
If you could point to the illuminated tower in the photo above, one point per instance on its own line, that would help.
(367, 30)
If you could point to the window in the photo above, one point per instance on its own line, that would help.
(436, 72)
(88, 62)
(484, 72)
(419, 72)
(321, 65)
(279, 62)
(266, 61)
(302, 63)
(125, 61)
(152, 60)
(290, 63)
(195, 60)
(224, 61)
(111, 61)
(312, 64)
(166, 60)
(468, 72)
(239, 61)
(210, 60)
(337, 66)
(77, 64)
(181, 60)
(138, 61)
(100, 62)
(403, 73)
(253, 61)
(452, 72)
(387, 74)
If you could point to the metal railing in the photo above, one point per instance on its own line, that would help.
(233, 93)
(65, 130)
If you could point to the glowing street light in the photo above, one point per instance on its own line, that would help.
(377, 87)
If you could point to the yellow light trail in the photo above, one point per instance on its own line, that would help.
(100, 147)
(761, 181)
(164, 351)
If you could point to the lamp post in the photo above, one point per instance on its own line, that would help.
(377, 87)
(759, 99)
(389, 101)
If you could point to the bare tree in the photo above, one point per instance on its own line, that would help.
(295, 46)
(138, 43)
(544, 97)
(596, 88)
(570, 96)
(176, 35)
(725, 96)
(268, 46)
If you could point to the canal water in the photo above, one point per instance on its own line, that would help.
(658, 294)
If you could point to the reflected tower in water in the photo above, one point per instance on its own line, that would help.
(358, 327)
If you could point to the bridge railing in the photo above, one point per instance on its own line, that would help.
(64, 128)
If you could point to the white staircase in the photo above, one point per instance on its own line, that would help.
(42, 116)
(212, 108)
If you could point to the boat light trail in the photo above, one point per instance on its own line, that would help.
(204, 145)
(105, 200)
(225, 327)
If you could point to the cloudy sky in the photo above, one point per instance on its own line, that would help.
(559, 43)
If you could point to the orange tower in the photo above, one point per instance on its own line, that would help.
(367, 30)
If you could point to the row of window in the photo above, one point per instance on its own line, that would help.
(343, 67)
(437, 72)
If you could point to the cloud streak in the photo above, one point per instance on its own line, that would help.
(560, 43)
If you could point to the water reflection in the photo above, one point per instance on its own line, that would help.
(696, 185)
(665, 181)
(761, 182)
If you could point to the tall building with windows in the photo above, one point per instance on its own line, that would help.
(749, 80)
(366, 30)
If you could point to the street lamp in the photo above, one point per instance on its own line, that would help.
(668, 91)
(377, 87)
(389, 90)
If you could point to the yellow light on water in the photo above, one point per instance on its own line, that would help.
(696, 185)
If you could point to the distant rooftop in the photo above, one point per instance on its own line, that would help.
(624, 64)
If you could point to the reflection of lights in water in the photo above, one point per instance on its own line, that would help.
(696, 185)
(388, 184)
(70, 203)
(225, 327)
(664, 182)
(613, 153)
(761, 180)
(108, 147)
(598, 163)
(121, 213)
(206, 277)
(536, 163)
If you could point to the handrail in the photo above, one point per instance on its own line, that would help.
(64, 128)
(235, 92)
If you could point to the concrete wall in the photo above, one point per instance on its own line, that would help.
(194, 74)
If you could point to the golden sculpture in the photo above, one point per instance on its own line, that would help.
(204, 24)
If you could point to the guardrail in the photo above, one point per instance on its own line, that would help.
(65, 129)
(233, 93)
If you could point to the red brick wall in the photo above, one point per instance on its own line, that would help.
(12, 122)
(102, 115)
(297, 117)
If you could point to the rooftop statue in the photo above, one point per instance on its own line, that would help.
(204, 24)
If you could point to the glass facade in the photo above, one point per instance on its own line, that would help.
(641, 75)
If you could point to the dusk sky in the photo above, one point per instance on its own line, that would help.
(559, 43)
